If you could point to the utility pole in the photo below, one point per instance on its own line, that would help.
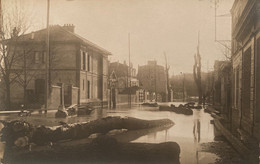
(155, 78)
(222, 42)
(130, 71)
(47, 57)
(215, 20)
(183, 93)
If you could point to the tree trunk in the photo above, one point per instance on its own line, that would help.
(197, 75)
(8, 98)
(24, 97)
(8, 95)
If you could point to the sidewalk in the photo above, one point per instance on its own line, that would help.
(247, 152)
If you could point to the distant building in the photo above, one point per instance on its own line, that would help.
(246, 66)
(152, 78)
(80, 65)
(126, 76)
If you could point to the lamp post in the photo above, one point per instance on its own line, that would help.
(183, 95)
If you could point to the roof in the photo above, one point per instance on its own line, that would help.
(58, 33)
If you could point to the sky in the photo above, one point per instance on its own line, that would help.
(155, 27)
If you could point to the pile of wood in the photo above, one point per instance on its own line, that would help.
(21, 133)
(104, 149)
(192, 105)
(74, 110)
(181, 109)
(151, 104)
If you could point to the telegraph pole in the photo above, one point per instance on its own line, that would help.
(155, 72)
(215, 20)
(130, 101)
(47, 57)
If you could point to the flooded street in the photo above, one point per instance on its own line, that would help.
(188, 131)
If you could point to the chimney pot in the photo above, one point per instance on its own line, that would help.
(32, 35)
(69, 27)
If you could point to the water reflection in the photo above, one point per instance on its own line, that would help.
(196, 131)
(196, 135)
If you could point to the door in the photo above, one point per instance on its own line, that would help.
(39, 91)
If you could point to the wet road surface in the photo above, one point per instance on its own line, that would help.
(189, 131)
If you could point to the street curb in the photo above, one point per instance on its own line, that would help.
(236, 143)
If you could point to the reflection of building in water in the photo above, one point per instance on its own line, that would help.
(152, 135)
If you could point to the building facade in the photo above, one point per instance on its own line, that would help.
(222, 88)
(73, 61)
(126, 76)
(246, 65)
(152, 78)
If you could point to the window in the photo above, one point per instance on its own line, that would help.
(84, 61)
(246, 76)
(37, 57)
(237, 86)
(83, 84)
(43, 57)
(88, 62)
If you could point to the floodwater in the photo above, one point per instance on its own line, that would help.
(188, 131)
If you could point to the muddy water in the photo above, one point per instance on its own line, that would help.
(188, 131)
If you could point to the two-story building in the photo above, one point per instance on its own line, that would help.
(246, 65)
(74, 61)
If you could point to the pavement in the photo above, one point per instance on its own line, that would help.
(248, 154)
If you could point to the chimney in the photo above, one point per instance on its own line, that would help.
(69, 27)
(32, 35)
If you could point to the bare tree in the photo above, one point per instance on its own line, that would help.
(168, 90)
(14, 23)
(226, 50)
(25, 71)
(197, 73)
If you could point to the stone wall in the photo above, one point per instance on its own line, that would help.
(123, 98)
(55, 98)
(74, 95)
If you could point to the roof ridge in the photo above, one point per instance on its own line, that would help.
(85, 40)
(77, 36)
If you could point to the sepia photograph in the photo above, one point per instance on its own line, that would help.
(130, 81)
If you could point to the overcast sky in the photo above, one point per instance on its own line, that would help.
(155, 27)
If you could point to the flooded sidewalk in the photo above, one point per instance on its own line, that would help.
(195, 134)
